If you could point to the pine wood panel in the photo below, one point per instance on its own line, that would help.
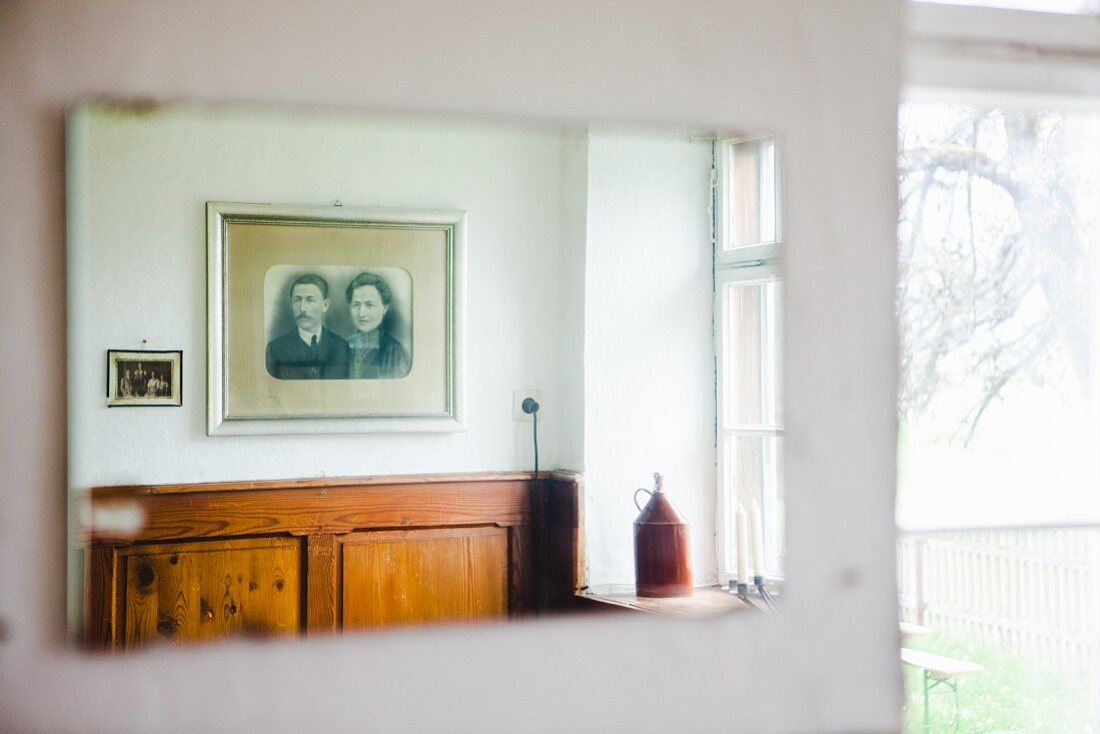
(521, 572)
(322, 584)
(530, 529)
(100, 594)
(186, 592)
(130, 490)
(424, 577)
(274, 509)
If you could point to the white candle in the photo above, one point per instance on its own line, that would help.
(757, 540)
(742, 546)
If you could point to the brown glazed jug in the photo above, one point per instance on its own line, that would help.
(662, 547)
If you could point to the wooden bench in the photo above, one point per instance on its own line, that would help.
(939, 670)
(908, 629)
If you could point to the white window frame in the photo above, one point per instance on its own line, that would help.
(743, 256)
(982, 55)
(746, 264)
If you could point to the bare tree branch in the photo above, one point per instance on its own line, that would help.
(960, 159)
(991, 287)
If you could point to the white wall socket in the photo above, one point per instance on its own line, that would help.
(518, 397)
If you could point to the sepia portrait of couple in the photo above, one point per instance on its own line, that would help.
(312, 351)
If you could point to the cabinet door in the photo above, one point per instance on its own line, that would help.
(184, 592)
(441, 575)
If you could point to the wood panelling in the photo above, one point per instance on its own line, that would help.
(314, 510)
(522, 575)
(130, 490)
(564, 573)
(184, 592)
(320, 555)
(99, 598)
(323, 584)
(431, 576)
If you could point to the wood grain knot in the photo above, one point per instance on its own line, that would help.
(279, 584)
(232, 608)
(174, 560)
(166, 627)
(145, 575)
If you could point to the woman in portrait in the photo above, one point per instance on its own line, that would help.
(373, 354)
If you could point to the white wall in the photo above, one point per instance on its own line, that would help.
(138, 271)
(649, 350)
(823, 73)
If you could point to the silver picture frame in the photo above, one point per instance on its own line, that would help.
(255, 252)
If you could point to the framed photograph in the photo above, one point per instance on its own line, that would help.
(329, 319)
(144, 378)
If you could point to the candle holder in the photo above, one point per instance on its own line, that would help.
(758, 582)
(747, 592)
(743, 594)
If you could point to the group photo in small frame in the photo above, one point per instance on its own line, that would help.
(144, 377)
(334, 319)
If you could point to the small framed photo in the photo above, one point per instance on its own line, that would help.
(144, 377)
(327, 319)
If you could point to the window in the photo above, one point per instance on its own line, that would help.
(748, 324)
(999, 222)
(999, 243)
(999, 219)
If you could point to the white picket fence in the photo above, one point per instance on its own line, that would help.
(1027, 592)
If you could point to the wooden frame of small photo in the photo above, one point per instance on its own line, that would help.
(144, 377)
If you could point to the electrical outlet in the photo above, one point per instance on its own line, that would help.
(518, 397)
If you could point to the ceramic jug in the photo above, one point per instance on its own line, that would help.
(662, 546)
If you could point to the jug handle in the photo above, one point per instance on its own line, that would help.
(640, 489)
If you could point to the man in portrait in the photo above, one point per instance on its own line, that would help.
(311, 351)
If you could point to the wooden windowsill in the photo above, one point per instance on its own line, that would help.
(705, 602)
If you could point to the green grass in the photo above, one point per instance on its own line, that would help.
(1010, 695)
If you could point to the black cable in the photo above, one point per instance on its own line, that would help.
(535, 433)
(546, 545)
(531, 407)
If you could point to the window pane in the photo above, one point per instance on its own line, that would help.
(753, 350)
(997, 242)
(754, 467)
(752, 187)
(998, 391)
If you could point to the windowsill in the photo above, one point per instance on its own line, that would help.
(707, 601)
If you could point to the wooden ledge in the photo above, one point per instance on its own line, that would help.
(709, 601)
(154, 513)
(139, 490)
